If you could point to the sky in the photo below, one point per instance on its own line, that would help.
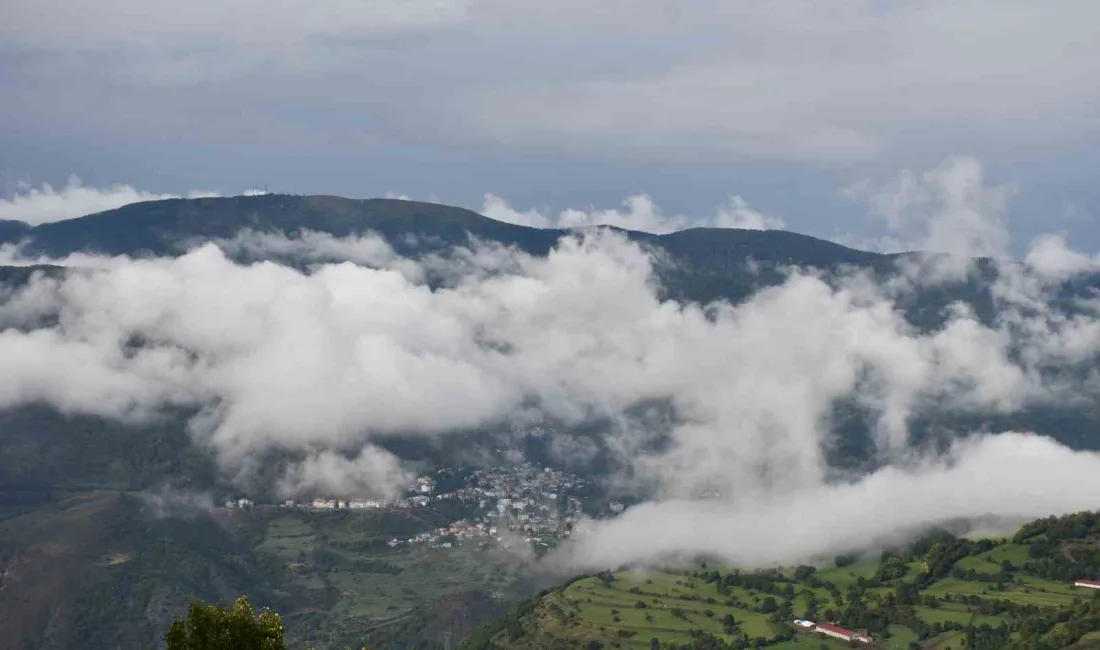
(781, 107)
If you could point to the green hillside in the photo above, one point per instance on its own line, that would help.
(940, 592)
(103, 570)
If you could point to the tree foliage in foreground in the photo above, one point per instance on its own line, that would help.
(210, 627)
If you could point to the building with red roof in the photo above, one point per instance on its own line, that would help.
(837, 632)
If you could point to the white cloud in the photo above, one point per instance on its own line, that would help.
(371, 471)
(949, 209)
(172, 501)
(320, 361)
(37, 205)
(641, 213)
(1052, 259)
(369, 250)
(1008, 475)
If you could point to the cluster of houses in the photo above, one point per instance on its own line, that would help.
(834, 631)
(531, 502)
(458, 531)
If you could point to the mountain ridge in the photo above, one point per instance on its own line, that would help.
(148, 225)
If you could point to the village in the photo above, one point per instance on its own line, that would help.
(509, 504)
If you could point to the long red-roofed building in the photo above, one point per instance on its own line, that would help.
(837, 632)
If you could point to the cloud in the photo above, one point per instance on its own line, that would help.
(1052, 259)
(165, 25)
(325, 359)
(641, 214)
(792, 81)
(1010, 475)
(337, 356)
(170, 500)
(310, 246)
(38, 205)
(370, 471)
(949, 210)
(730, 81)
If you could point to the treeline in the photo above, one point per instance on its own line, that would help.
(1063, 548)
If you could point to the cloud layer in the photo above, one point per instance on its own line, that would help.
(854, 80)
(641, 214)
(322, 359)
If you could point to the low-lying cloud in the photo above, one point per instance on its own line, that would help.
(322, 360)
(641, 213)
(1010, 475)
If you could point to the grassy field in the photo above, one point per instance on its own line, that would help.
(662, 605)
(1045, 594)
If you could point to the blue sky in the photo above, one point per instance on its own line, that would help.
(566, 104)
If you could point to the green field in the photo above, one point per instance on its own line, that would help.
(673, 606)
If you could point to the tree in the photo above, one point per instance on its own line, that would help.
(803, 572)
(210, 627)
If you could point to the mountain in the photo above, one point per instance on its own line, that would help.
(702, 264)
(75, 520)
(162, 227)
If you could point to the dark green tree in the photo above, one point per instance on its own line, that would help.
(210, 627)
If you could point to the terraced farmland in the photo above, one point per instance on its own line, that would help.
(941, 592)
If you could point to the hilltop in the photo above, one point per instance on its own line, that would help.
(939, 592)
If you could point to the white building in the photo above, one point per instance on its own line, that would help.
(1088, 584)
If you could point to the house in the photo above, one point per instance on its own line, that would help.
(837, 632)
(1088, 584)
